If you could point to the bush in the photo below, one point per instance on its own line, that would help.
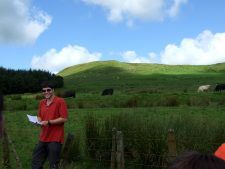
(15, 105)
(168, 101)
(70, 102)
(198, 101)
(222, 101)
(132, 102)
(16, 97)
(172, 101)
(80, 104)
(39, 97)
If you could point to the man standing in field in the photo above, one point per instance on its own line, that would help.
(52, 114)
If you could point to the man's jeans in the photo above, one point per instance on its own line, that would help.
(46, 150)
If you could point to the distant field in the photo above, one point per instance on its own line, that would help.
(123, 77)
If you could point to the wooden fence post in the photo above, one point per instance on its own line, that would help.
(6, 156)
(18, 162)
(65, 151)
(113, 152)
(120, 150)
(172, 149)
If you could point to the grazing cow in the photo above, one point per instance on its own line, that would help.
(204, 88)
(220, 87)
(1, 116)
(107, 92)
(69, 93)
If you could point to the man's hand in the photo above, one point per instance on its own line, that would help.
(44, 123)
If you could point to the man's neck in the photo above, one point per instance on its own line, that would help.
(49, 100)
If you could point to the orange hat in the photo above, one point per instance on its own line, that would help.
(220, 152)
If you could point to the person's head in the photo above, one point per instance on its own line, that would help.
(195, 160)
(47, 89)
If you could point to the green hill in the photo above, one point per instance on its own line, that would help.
(126, 77)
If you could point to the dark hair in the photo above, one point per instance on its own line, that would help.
(195, 160)
(48, 84)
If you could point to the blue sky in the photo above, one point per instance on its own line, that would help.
(52, 35)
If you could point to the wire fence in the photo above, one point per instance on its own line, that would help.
(107, 151)
(115, 153)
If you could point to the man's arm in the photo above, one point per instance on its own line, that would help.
(59, 120)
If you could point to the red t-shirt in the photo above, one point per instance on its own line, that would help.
(54, 132)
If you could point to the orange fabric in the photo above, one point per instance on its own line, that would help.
(220, 152)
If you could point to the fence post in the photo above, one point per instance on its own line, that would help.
(18, 163)
(5, 145)
(113, 152)
(65, 151)
(172, 149)
(120, 150)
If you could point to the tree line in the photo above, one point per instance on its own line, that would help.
(26, 81)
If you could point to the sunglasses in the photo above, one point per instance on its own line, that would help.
(46, 90)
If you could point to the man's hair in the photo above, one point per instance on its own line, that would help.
(195, 160)
(49, 84)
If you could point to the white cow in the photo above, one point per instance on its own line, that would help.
(204, 88)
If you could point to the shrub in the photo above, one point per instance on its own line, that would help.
(222, 101)
(15, 105)
(172, 101)
(168, 101)
(198, 101)
(80, 104)
(16, 97)
(70, 103)
(39, 97)
(132, 102)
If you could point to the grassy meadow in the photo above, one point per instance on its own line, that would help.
(148, 100)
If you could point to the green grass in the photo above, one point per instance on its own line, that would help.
(95, 76)
(148, 99)
(198, 128)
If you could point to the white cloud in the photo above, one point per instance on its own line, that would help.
(174, 9)
(132, 57)
(129, 10)
(19, 23)
(206, 48)
(54, 61)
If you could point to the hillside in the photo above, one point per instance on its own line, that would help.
(95, 76)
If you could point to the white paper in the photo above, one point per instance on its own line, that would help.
(33, 119)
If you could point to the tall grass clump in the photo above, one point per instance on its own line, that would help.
(199, 133)
(169, 101)
(141, 145)
(15, 97)
(98, 141)
(198, 101)
(222, 100)
(145, 137)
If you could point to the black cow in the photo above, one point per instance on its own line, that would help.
(69, 93)
(107, 92)
(220, 87)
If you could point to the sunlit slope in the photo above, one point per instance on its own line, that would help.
(95, 76)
